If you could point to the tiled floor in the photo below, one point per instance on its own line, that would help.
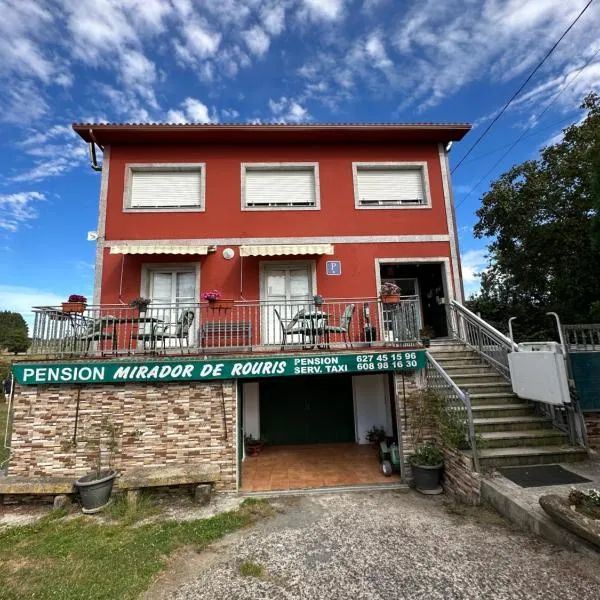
(312, 466)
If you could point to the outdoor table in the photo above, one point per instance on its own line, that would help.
(154, 321)
(315, 321)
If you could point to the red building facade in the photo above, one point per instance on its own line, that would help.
(276, 212)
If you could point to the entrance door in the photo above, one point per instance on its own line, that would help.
(171, 291)
(307, 410)
(285, 289)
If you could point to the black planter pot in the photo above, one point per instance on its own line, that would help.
(427, 479)
(94, 492)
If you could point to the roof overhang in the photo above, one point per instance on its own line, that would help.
(106, 134)
(157, 249)
(286, 249)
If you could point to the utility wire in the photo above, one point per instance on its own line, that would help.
(524, 132)
(537, 68)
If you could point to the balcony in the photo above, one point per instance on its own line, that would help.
(225, 327)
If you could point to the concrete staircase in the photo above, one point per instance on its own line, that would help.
(511, 432)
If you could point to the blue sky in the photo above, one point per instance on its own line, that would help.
(261, 61)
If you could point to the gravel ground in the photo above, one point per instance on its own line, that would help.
(384, 545)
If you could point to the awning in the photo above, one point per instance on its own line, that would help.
(158, 249)
(286, 250)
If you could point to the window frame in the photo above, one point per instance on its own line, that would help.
(130, 168)
(400, 166)
(282, 166)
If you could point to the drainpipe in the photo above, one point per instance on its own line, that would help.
(92, 151)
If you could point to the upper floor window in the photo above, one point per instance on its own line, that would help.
(165, 187)
(280, 186)
(391, 185)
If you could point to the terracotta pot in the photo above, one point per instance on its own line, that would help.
(390, 298)
(70, 307)
(223, 303)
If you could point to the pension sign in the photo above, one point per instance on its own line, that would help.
(198, 369)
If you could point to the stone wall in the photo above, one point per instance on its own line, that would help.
(166, 424)
(592, 424)
(459, 480)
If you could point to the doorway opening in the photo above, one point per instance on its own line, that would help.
(426, 281)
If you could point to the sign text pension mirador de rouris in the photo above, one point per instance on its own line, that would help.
(197, 369)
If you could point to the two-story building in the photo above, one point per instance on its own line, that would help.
(296, 227)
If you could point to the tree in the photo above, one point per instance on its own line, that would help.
(13, 330)
(544, 220)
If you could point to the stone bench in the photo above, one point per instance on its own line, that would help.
(135, 480)
(15, 485)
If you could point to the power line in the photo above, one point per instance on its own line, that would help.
(548, 106)
(478, 140)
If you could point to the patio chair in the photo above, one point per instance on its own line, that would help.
(182, 330)
(343, 328)
(293, 327)
(95, 331)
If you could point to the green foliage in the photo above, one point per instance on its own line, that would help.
(428, 455)
(76, 558)
(543, 218)
(249, 568)
(375, 434)
(119, 509)
(13, 332)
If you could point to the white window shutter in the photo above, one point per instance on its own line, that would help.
(393, 187)
(280, 187)
(165, 188)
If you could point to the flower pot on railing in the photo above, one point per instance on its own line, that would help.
(75, 304)
(222, 303)
(390, 298)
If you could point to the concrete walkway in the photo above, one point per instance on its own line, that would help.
(383, 545)
(521, 505)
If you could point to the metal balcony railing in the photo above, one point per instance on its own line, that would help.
(225, 326)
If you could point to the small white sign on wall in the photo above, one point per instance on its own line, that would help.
(334, 267)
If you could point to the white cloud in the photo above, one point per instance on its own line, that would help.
(273, 18)
(376, 52)
(288, 110)
(18, 208)
(473, 261)
(257, 40)
(192, 111)
(200, 41)
(22, 103)
(322, 10)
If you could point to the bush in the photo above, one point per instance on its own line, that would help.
(428, 455)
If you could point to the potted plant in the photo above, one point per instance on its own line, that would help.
(75, 303)
(215, 300)
(426, 333)
(95, 488)
(318, 300)
(253, 445)
(426, 464)
(141, 304)
(389, 293)
(375, 435)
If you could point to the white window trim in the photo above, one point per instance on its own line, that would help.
(393, 165)
(130, 167)
(148, 268)
(280, 165)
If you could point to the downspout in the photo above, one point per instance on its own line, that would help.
(92, 151)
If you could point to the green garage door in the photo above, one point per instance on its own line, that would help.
(307, 410)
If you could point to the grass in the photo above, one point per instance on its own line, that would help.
(249, 568)
(81, 557)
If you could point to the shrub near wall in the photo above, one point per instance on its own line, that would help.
(166, 424)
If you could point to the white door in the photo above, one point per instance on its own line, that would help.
(371, 405)
(171, 292)
(286, 289)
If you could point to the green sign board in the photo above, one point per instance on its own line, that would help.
(198, 369)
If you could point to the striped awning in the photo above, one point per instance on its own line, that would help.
(286, 249)
(158, 249)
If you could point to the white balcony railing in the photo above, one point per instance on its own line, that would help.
(203, 328)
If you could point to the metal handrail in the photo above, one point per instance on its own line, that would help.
(493, 346)
(451, 392)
